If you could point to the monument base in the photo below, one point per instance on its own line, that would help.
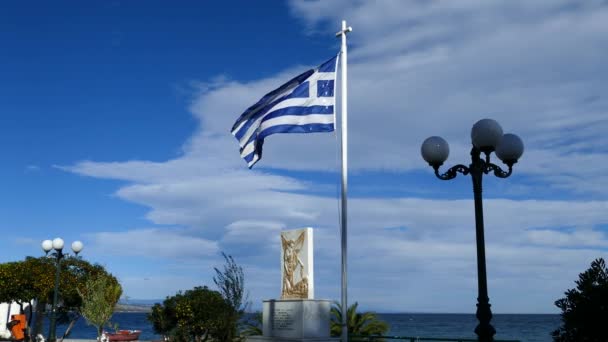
(296, 320)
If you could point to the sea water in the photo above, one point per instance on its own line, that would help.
(526, 328)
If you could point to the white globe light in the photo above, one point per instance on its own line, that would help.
(486, 134)
(58, 244)
(510, 148)
(47, 245)
(77, 246)
(435, 150)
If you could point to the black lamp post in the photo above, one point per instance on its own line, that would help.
(57, 245)
(487, 137)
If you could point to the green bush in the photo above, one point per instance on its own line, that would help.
(585, 309)
(194, 315)
(201, 313)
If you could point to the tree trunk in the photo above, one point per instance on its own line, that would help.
(31, 337)
(39, 319)
(70, 327)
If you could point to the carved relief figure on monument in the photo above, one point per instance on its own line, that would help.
(291, 262)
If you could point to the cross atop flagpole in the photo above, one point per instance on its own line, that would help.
(344, 151)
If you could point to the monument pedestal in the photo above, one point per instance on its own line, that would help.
(295, 320)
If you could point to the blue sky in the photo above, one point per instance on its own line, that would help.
(114, 130)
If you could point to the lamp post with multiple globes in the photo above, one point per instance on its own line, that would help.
(487, 137)
(57, 245)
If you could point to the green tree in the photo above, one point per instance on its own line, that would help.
(585, 309)
(99, 297)
(360, 324)
(34, 278)
(194, 315)
(18, 283)
(231, 283)
(201, 313)
(22, 281)
(163, 318)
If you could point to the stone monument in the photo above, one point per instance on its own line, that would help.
(297, 271)
(297, 316)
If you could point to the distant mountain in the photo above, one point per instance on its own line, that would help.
(131, 301)
(132, 308)
(121, 307)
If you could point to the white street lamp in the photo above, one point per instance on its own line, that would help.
(57, 244)
(47, 245)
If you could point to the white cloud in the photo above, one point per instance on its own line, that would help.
(26, 241)
(417, 69)
(152, 243)
(578, 238)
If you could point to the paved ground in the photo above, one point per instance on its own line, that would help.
(83, 340)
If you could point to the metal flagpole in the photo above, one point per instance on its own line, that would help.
(343, 230)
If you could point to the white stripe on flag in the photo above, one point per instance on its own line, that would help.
(303, 102)
(298, 120)
(248, 149)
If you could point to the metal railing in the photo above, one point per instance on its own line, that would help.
(416, 339)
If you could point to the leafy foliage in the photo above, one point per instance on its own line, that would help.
(360, 324)
(253, 325)
(34, 278)
(162, 317)
(99, 297)
(585, 309)
(194, 315)
(201, 313)
(231, 283)
(21, 281)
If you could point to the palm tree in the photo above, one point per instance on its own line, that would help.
(253, 325)
(361, 324)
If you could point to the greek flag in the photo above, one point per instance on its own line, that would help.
(305, 104)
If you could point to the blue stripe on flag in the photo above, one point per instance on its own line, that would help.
(301, 91)
(248, 158)
(310, 128)
(329, 66)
